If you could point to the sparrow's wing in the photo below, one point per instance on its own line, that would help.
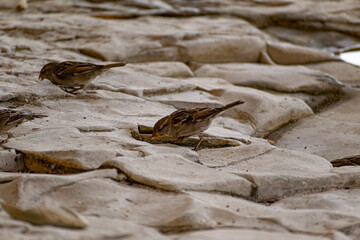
(8, 116)
(203, 114)
(193, 115)
(181, 116)
(4, 117)
(70, 69)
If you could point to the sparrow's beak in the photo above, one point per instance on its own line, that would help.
(41, 77)
(155, 135)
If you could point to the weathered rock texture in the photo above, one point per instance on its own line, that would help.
(264, 170)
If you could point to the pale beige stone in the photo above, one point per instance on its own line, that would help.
(289, 183)
(189, 99)
(215, 86)
(322, 136)
(344, 72)
(279, 78)
(88, 130)
(175, 173)
(342, 201)
(68, 147)
(166, 149)
(222, 49)
(47, 214)
(113, 200)
(263, 111)
(279, 161)
(163, 69)
(234, 234)
(7, 161)
(98, 229)
(229, 156)
(289, 54)
(138, 83)
(346, 110)
(30, 188)
(328, 41)
(157, 40)
(230, 128)
(320, 222)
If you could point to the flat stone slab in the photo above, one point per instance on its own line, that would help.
(288, 184)
(345, 72)
(169, 212)
(163, 69)
(233, 234)
(214, 49)
(264, 111)
(53, 149)
(138, 83)
(293, 220)
(278, 78)
(189, 99)
(322, 136)
(88, 157)
(346, 110)
(7, 161)
(261, 157)
(339, 201)
(289, 54)
(174, 173)
(97, 229)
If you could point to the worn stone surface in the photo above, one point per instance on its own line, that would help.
(231, 234)
(162, 176)
(279, 78)
(344, 72)
(288, 54)
(263, 170)
(332, 134)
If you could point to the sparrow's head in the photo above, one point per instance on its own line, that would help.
(161, 127)
(46, 71)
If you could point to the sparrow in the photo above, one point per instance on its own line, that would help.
(73, 76)
(10, 118)
(188, 121)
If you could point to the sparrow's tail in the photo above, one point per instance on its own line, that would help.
(230, 105)
(119, 64)
(215, 111)
(31, 116)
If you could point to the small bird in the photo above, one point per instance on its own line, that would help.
(73, 76)
(188, 121)
(10, 119)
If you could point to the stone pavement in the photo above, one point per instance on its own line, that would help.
(264, 170)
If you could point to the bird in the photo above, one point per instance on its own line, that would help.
(73, 76)
(11, 118)
(188, 121)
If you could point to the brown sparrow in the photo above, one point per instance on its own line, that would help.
(188, 121)
(10, 119)
(73, 76)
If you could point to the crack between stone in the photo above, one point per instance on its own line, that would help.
(237, 162)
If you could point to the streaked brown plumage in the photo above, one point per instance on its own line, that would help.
(188, 121)
(10, 119)
(73, 76)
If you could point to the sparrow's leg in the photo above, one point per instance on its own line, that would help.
(201, 138)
